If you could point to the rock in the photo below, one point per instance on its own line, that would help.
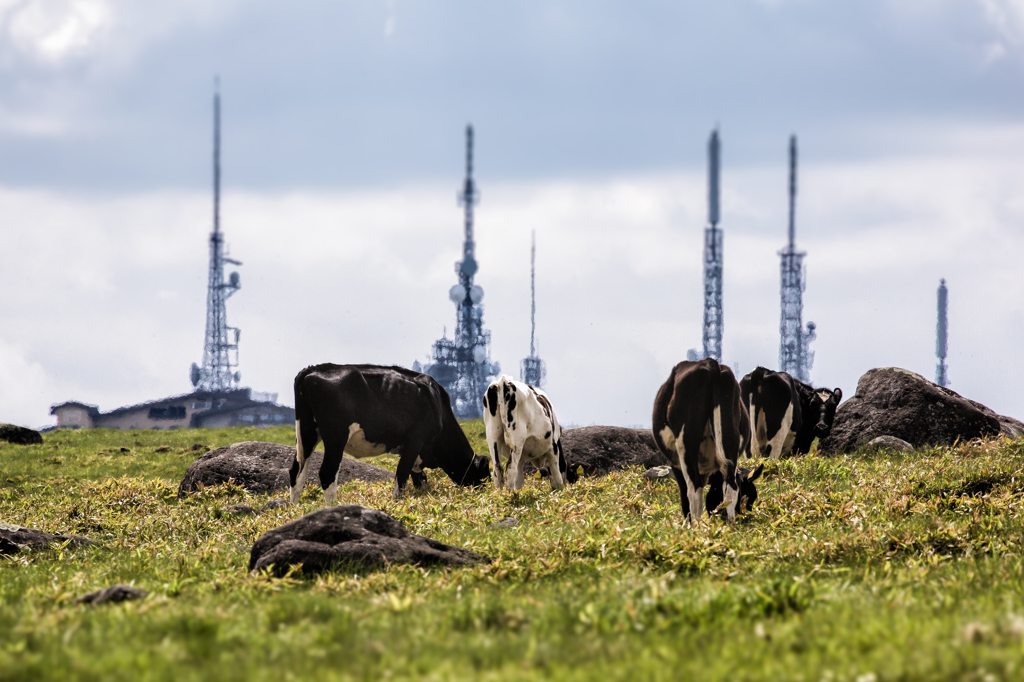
(19, 435)
(1008, 426)
(276, 503)
(163, 448)
(890, 443)
(353, 535)
(198, 446)
(14, 538)
(504, 524)
(263, 467)
(112, 595)
(895, 402)
(658, 473)
(603, 449)
(240, 510)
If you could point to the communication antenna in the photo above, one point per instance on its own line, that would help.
(532, 370)
(713, 316)
(942, 335)
(220, 350)
(463, 365)
(795, 355)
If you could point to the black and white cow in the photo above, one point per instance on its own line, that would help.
(521, 426)
(786, 415)
(747, 493)
(701, 426)
(367, 410)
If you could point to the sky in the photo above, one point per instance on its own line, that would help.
(343, 134)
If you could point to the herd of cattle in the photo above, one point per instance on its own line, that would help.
(704, 422)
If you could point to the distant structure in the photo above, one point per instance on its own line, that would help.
(532, 370)
(712, 336)
(795, 356)
(217, 401)
(220, 351)
(941, 336)
(463, 364)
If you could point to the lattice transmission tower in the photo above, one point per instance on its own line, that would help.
(712, 335)
(795, 355)
(220, 351)
(532, 369)
(463, 364)
(942, 335)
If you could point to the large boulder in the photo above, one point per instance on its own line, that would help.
(351, 535)
(15, 538)
(263, 468)
(602, 449)
(19, 435)
(895, 402)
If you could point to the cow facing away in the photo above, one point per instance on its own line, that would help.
(367, 410)
(521, 426)
(747, 490)
(786, 415)
(701, 426)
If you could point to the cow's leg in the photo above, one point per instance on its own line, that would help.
(406, 462)
(496, 449)
(515, 468)
(554, 466)
(730, 491)
(329, 472)
(688, 451)
(306, 438)
(419, 477)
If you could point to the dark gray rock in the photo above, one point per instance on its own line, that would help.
(14, 539)
(889, 443)
(240, 510)
(504, 524)
(276, 503)
(112, 595)
(895, 402)
(351, 535)
(603, 449)
(263, 468)
(19, 435)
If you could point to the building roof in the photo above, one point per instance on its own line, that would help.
(93, 410)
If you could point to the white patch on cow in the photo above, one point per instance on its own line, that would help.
(331, 494)
(758, 430)
(669, 438)
(694, 495)
(357, 446)
(300, 456)
(417, 466)
(782, 440)
(824, 395)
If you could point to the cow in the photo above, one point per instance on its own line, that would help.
(521, 426)
(367, 410)
(701, 426)
(786, 415)
(747, 490)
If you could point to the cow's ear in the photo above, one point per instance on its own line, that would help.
(756, 473)
(838, 393)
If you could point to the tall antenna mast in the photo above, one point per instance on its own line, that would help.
(220, 355)
(532, 369)
(713, 317)
(795, 356)
(942, 336)
(463, 365)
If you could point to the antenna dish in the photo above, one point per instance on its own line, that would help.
(479, 354)
(476, 293)
(468, 266)
(234, 280)
(195, 374)
(457, 294)
(238, 377)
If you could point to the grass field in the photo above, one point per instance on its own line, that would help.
(867, 567)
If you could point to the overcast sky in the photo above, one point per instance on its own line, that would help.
(343, 152)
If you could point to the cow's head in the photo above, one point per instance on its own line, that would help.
(747, 490)
(479, 472)
(823, 410)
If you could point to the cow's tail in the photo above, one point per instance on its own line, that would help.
(306, 433)
(754, 444)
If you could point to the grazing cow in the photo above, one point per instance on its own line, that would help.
(786, 415)
(700, 425)
(521, 426)
(747, 494)
(366, 410)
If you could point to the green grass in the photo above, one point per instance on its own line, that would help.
(868, 567)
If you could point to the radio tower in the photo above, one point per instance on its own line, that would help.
(941, 336)
(532, 370)
(463, 365)
(713, 260)
(220, 356)
(795, 356)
